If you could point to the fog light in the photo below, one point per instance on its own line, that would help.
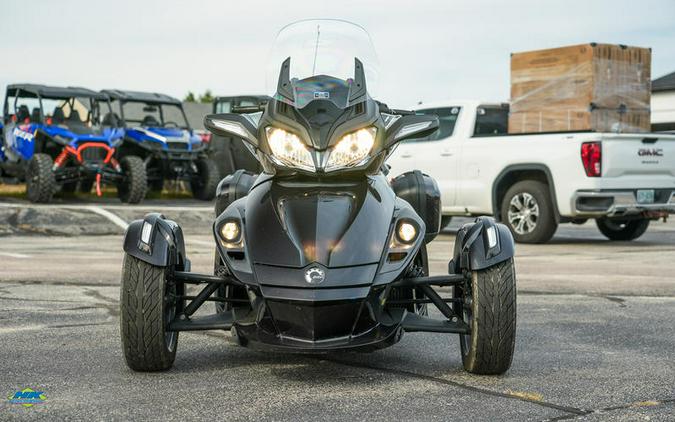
(230, 231)
(406, 232)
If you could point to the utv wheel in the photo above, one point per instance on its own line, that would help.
(445, 221)
(489, 308)
(133, 187)
(527, 209)
(206, 181)
(622, 229)
(145, 313)
(40, 181)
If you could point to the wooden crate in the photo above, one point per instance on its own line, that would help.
(598, 87)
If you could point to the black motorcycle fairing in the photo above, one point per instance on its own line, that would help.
(234, 256)
(335, 224)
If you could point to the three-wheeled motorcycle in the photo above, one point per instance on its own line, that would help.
(58, 138)
(321, 252)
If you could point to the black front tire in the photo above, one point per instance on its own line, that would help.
(622, 229)
(144, 316)
(134, 186)
(206, 181)
(534, 221)
(489, 308)
(40, 181)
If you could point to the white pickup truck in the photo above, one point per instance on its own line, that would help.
(533, 182)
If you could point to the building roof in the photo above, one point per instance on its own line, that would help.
(145, 97)
(35, 90)
(664, 83)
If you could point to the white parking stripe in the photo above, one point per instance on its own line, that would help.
(106, 206)
(115, 219)
(14, 255)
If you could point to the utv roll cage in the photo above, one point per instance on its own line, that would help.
(41, 92)
(149, 98)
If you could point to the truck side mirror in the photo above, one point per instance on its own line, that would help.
(230, 124)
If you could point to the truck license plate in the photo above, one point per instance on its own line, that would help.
(645, 196)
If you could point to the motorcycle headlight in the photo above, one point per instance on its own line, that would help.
(352, 150)
(288, 150)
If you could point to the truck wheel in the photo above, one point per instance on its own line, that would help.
(40, 181)
(527, 210)
(489, 308)
(133, 187)
(145, 312)
(206, 181)
(622, 229)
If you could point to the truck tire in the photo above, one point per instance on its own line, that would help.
(206, 181)
(622, 229)
(133, 187)
(40, 181)
(144, 315)
(527, 209)
(489, 308)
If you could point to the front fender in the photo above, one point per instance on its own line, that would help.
(165, 245)
(481, 244)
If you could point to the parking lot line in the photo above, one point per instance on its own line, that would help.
(14, 255)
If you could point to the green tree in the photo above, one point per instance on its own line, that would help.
(207, 97)
(190, 97)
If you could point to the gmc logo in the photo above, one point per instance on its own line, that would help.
(651, 152)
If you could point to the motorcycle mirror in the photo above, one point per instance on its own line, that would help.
(410, 126)
(230, 124)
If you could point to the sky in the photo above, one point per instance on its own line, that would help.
(428, 50)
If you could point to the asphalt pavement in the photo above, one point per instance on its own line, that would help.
(595, 339)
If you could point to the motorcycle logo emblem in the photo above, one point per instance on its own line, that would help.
(315, 275)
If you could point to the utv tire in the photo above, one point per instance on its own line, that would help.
(622, 230)
(40, 181)
(488, 350)
(144, 315)
(134, 186)
(206, 182)
(445, 221)
(527, 209)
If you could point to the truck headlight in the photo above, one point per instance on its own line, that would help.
(288, 150)
(352, 150)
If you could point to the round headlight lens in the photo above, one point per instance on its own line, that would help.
(352, 149)
(406, 232)
(230, 231)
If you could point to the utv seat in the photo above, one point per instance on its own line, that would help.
(112, 119)
(58, 116)
(22, 114)
(75, 124)
(150, 121)
(36, 115)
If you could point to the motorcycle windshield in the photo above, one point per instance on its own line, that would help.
(322, 56)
